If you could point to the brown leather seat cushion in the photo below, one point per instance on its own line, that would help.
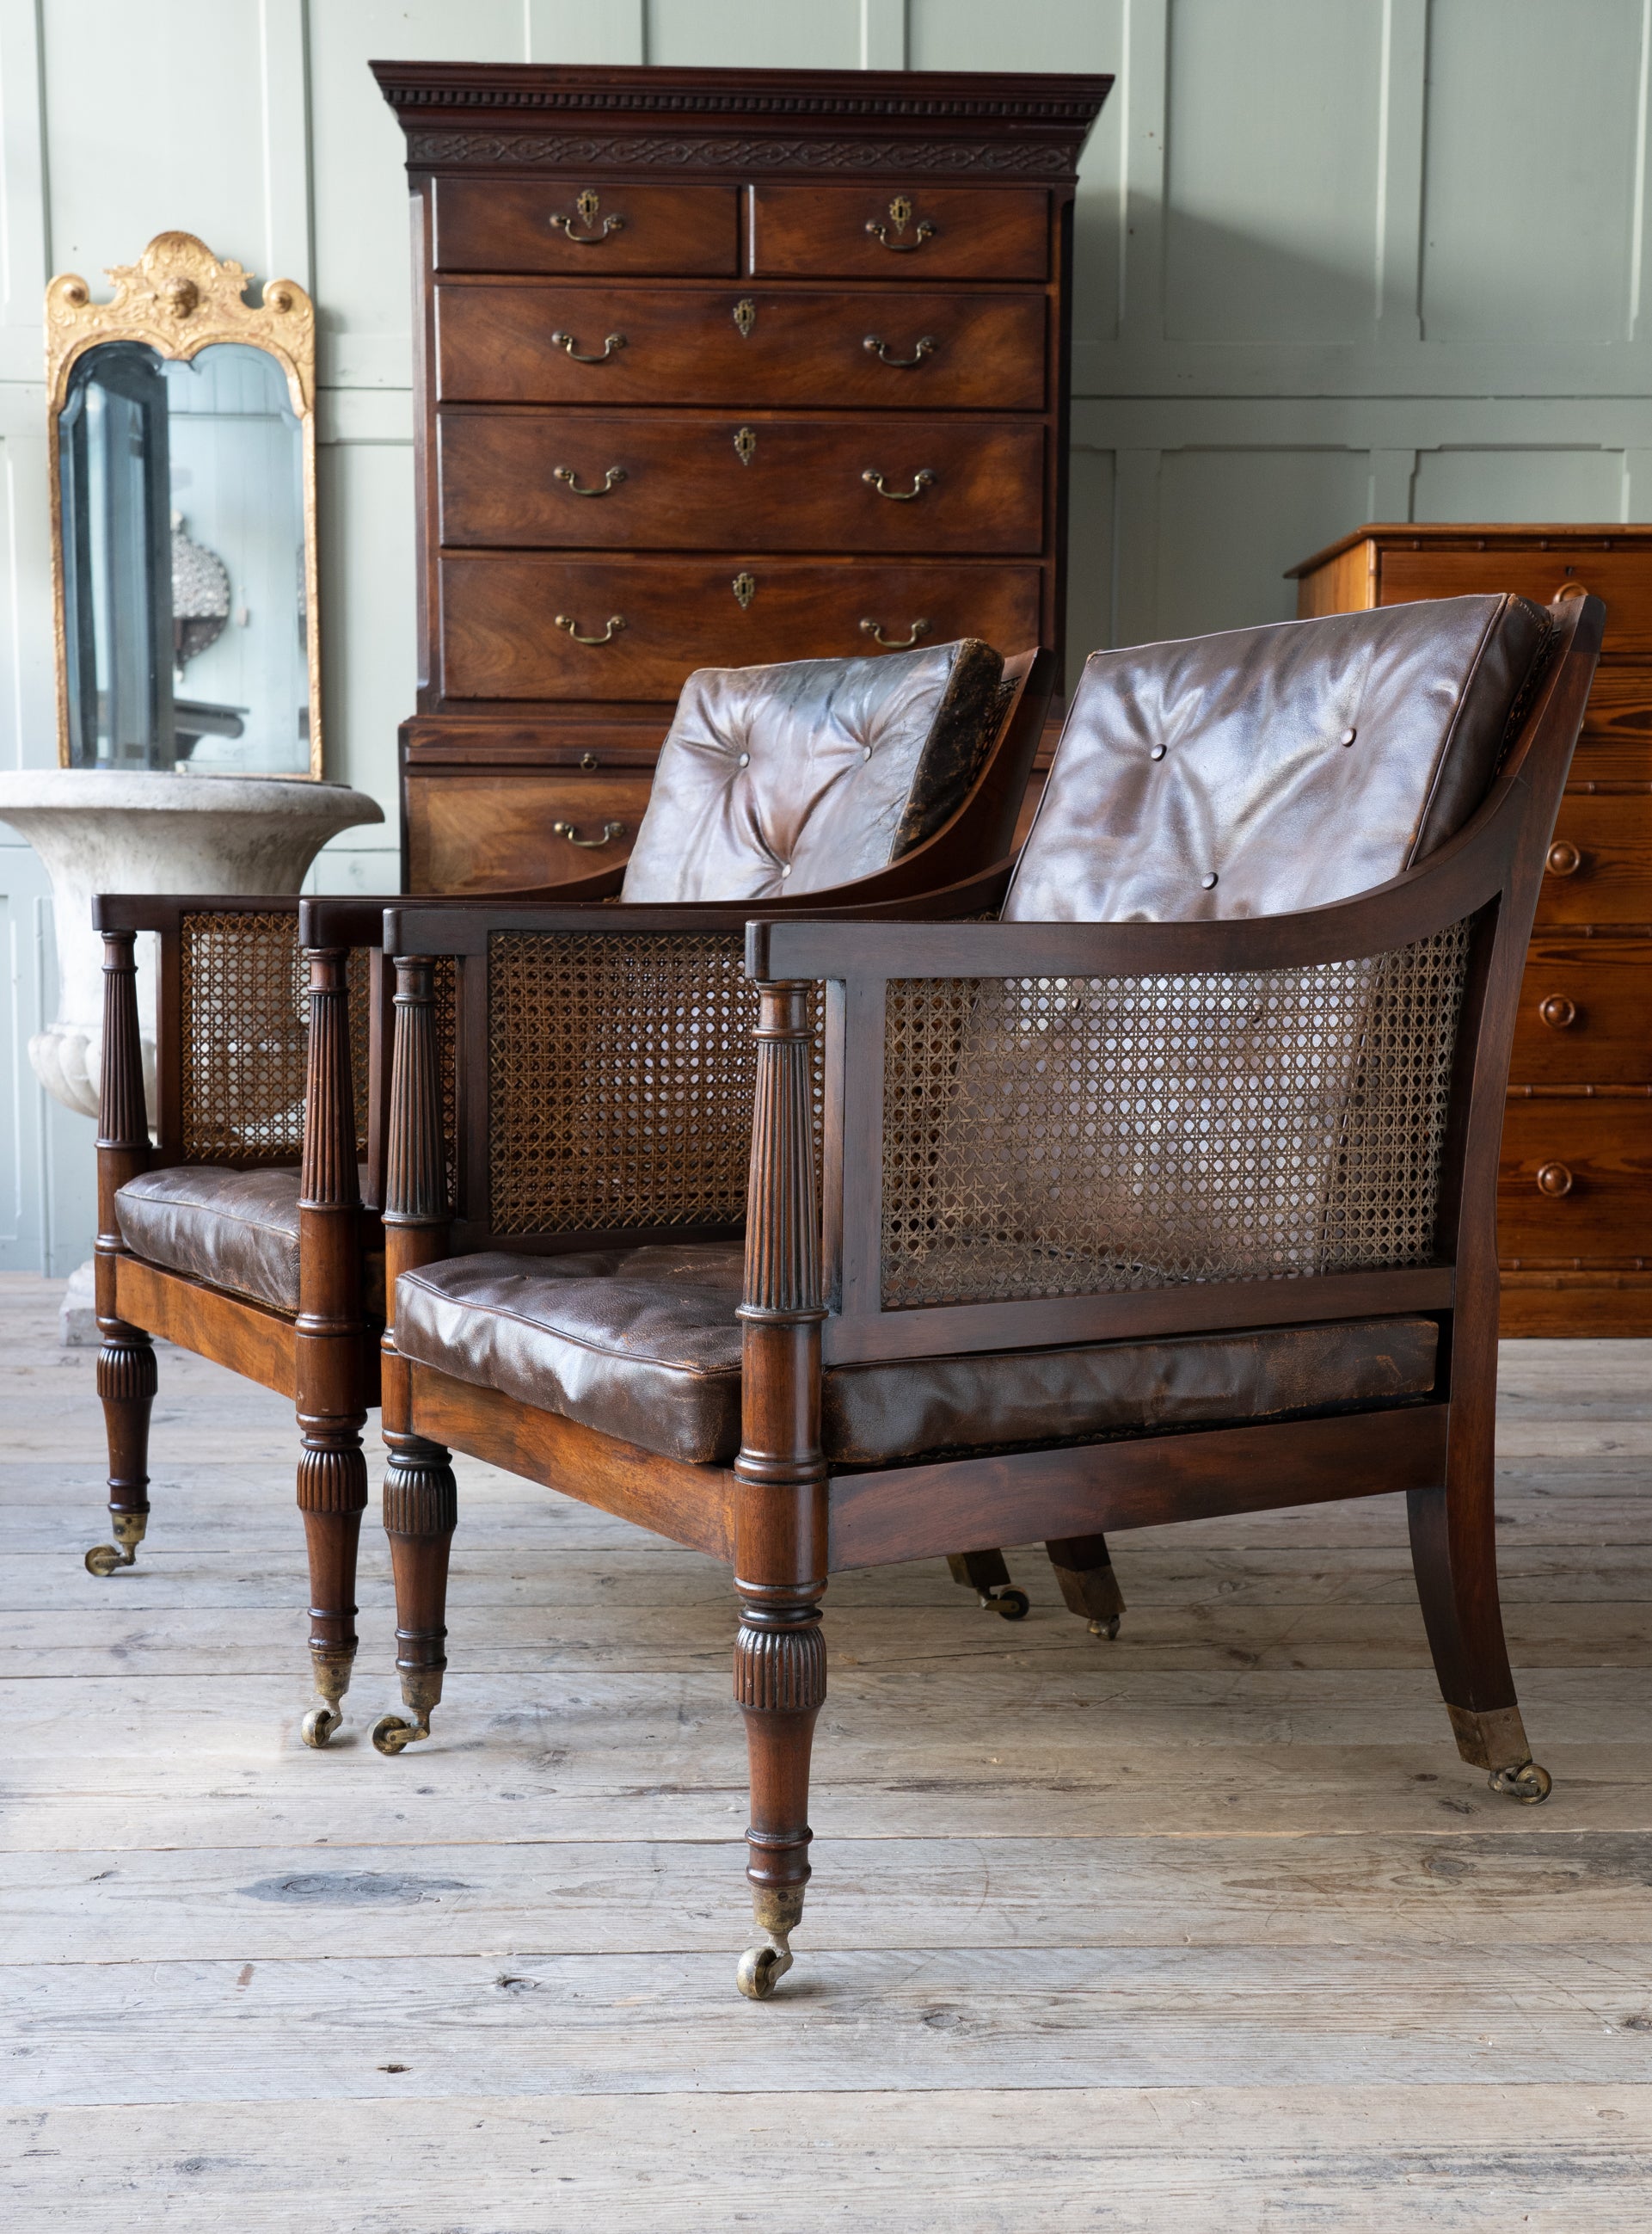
(234, 1230)
(795, 777)
(643, 1344)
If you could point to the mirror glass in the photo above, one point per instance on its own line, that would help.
(186, 631)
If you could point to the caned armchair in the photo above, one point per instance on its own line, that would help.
(1169, 1194)
(239, 1216)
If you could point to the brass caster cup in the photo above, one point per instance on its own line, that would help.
(1109, 1628)
(391, 1734)
(1013, 1603)
(319, 1724)
(762, 1968)
(1528, 1783)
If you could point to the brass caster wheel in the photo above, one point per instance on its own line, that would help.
(761, 1968)
(1528, 1783)
(319, 1725)
(1109, 1628)
(1013, 1603)
(391, 1734)
(105, 1560)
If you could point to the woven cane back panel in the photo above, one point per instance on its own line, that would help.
(621, 1072)
(245, 1024)
(1077, 1136)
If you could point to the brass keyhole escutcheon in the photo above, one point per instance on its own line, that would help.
(589, 760)
(1565, 859)
(744, 586)
(586, 204)
(1554, 1181)
(744, 315)
(1557, 1012)
(745, 445)
(900, 216)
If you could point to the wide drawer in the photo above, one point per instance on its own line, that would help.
(905, 233)
(662, 619)
(1585, 1014)
(1623, 579)
(1576, 1181)
(547, 224)
(648, 481)
(487, 833)
(1600, 861)
(845, 349)
(1615, 746)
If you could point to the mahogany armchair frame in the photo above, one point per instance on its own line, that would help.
(326, 1358)
(780, 1514)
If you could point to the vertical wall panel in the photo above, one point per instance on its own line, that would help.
(1530, 169)
(1270, 233)
(1526, 484)
(1231, 521)
(755, 33)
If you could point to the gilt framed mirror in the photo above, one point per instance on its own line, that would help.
(182, 455)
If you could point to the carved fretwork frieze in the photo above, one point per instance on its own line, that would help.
(628, 152)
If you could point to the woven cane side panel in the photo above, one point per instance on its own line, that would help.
(1078, 1136)
(359, 977)
(444, 981)
(621, 1072)
(245, 1032)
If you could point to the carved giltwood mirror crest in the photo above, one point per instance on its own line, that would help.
(183, 478)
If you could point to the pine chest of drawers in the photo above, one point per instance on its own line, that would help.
(715, 368)
(1575, 1197)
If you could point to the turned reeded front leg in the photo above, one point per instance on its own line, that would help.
(126, 1361)
(1084, 1568)
(331, 1339)
(781, 1528)
(420, 1496)
(421, 1513)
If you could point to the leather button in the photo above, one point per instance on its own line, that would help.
(786, 868)
(866, 752)
(1208, 883)
(1157, 753)
(745, 760)
(1348, 737)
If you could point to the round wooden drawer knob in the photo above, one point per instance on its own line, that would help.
(1569, 589)
(1557, 1012)
(1554, 1180)
(1565, 859)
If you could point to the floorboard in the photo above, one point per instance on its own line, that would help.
(1205, 1929)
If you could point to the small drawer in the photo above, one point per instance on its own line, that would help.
(842, 349)
(635, 628)
(1621, 579)
(905, 233)
(1585, 1015)
(1576, 1181)
(654, 481)
(1615, 746)
(550, 224)
(1600, 861)
(490, 832)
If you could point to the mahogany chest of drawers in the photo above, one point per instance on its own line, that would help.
(1575, 1199)
(714, 368)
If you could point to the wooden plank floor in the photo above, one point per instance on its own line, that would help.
(1208, 1928)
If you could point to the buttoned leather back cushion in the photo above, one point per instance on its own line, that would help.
(795, 778)
(1209, 778)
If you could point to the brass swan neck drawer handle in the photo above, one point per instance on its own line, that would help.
(880, 350)
(610, 831)
(1554, 1180)
(587, 205)
(1557, 1012)
(1565, 859)
(611, 478)
(616, 622)
(922, 478)
(567, 344)
(900, 213)
(875, 630)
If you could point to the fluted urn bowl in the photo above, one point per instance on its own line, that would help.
(99, 831)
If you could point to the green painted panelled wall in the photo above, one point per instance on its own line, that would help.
(1338, 259)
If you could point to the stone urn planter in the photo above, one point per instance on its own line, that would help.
(101, 832)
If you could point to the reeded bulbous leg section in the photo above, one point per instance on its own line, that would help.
(421, 1513)
(126, 1385)
(1090, 1589)
(985, 1573)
